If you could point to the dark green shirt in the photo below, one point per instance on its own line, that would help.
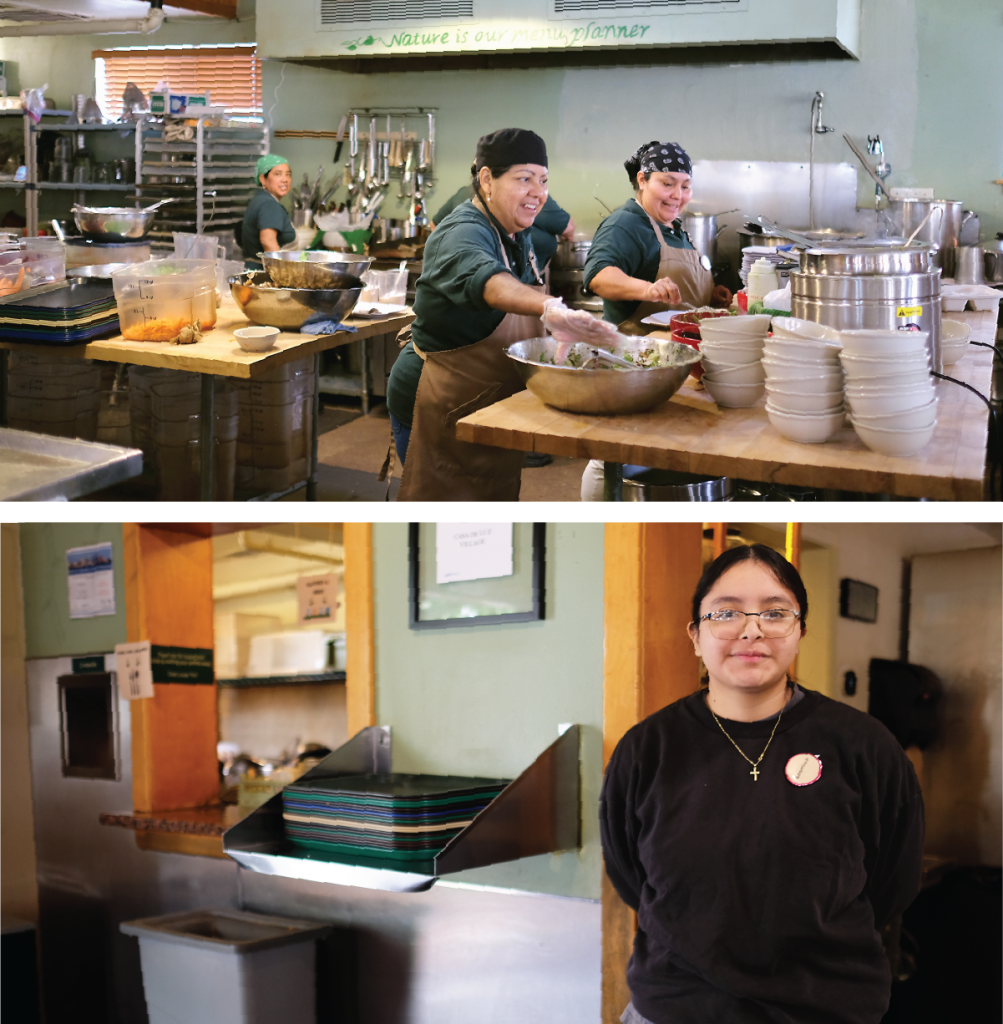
(264, 211)
(450, 312)
(550, 222)
(626, 240)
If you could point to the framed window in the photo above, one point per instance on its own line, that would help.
(230, 74)
(516, 596)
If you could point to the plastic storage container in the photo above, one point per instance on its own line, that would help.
(158, 298)
(227, 967)
(53, 395)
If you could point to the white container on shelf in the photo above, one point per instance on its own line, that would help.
(762, 280)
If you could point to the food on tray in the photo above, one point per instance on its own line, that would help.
(176, 330)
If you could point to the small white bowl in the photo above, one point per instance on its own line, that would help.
(950, 356)
(734, 396)
(725, 328)
(871, 365)
(791, 401)
(954, 331)
(731, 353)
(800, 357)
(807, 428)
(904, 419)
(794, 327)
(881, 402)
(256, 339)
(816, 384)
(884, 343)
(753, 373)
(888, 381)
(797, 368)
(894, 442)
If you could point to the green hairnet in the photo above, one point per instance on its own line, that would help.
(266, 163)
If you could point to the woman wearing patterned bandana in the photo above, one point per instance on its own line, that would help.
(641, 260)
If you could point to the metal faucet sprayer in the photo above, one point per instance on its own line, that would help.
(817, 128)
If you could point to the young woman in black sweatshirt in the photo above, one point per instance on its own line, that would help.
(762, 832)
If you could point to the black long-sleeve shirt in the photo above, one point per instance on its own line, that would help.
(758, 900)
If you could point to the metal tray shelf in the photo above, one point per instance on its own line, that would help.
(539, 812)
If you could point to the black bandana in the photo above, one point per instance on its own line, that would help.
(658, 156)
(510, 146)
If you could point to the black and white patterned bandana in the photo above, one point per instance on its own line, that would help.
(658, 156)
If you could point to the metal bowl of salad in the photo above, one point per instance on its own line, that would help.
(582, 381)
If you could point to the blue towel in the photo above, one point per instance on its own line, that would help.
(321, 323)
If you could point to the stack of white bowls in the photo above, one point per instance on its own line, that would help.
(730, 349)
(954, 337)
(893, 406)
(804, 381)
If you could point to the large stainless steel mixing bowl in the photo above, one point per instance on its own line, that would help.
(115, 223)
(262, 302)
(603, 392)
(311, 268)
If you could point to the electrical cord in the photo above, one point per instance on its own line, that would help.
(992, 416)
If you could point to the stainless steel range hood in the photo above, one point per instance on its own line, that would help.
(539, 812)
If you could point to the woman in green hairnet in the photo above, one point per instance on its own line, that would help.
(267, 227)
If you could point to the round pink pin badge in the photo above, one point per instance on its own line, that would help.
(803, 769)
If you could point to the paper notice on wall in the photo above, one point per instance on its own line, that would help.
(135, 674)
(472, 551)
(91, 579)
(317, 597)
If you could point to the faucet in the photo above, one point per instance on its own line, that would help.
(882, 169)
(817, 128)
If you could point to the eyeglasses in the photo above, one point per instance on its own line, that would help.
(729, 623)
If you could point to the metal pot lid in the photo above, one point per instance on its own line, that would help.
(853, 261)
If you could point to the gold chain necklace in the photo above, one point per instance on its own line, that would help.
(755, 764)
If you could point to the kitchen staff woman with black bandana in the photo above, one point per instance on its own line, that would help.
(764, 833)
(641, 260)
(480, 290)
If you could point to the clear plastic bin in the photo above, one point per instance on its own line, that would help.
(227, 967)
(263, 480)
(158, 298)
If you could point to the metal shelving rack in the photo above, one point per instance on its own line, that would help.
(212, 175)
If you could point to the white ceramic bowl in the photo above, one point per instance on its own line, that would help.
(884, 343)
(791, 401)
(869, 366)
(950, 356)
(808, 428)
(751, 374)
(954, 331)
(732, 353)
(724, 328)
(790, 368)
(884, 402)
(256, 339)
(888, 381)
(894, 442)
(801, 356)
(713, 366)
(812, 384)
(794, 327)
(904, 419)
(734, 396)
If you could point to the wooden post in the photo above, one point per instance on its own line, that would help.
(792, 546)
(720, 538)
(651, 570)
(168, 601)
(360, 653)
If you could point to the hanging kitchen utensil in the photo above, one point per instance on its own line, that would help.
(431, 146)
(339, 139)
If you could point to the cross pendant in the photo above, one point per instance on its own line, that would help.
(755, 773)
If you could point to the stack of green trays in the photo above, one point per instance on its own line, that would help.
(402, 817)
(79, 310)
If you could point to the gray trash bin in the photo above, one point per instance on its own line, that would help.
(227, 967)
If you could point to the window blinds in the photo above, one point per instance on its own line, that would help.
(231, 75)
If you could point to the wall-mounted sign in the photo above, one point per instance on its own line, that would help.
(191, 665)
(472, 551)
(317, 597)
(132, 663)
(91, 581)
(93, 663)
(858, 601)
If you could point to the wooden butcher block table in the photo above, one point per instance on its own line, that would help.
(690, 433)
(217, 354)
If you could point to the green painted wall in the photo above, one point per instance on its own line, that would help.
(49, 630)
(921, 83)
(488, 700)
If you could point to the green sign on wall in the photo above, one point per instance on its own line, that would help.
(181, 664)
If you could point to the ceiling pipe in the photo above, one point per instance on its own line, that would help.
(153, 20)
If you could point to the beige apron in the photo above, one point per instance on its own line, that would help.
(453, 384)
(687, 271)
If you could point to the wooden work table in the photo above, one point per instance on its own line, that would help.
(218, 355)
(690, 433)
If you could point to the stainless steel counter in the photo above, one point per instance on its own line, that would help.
(39, 467)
